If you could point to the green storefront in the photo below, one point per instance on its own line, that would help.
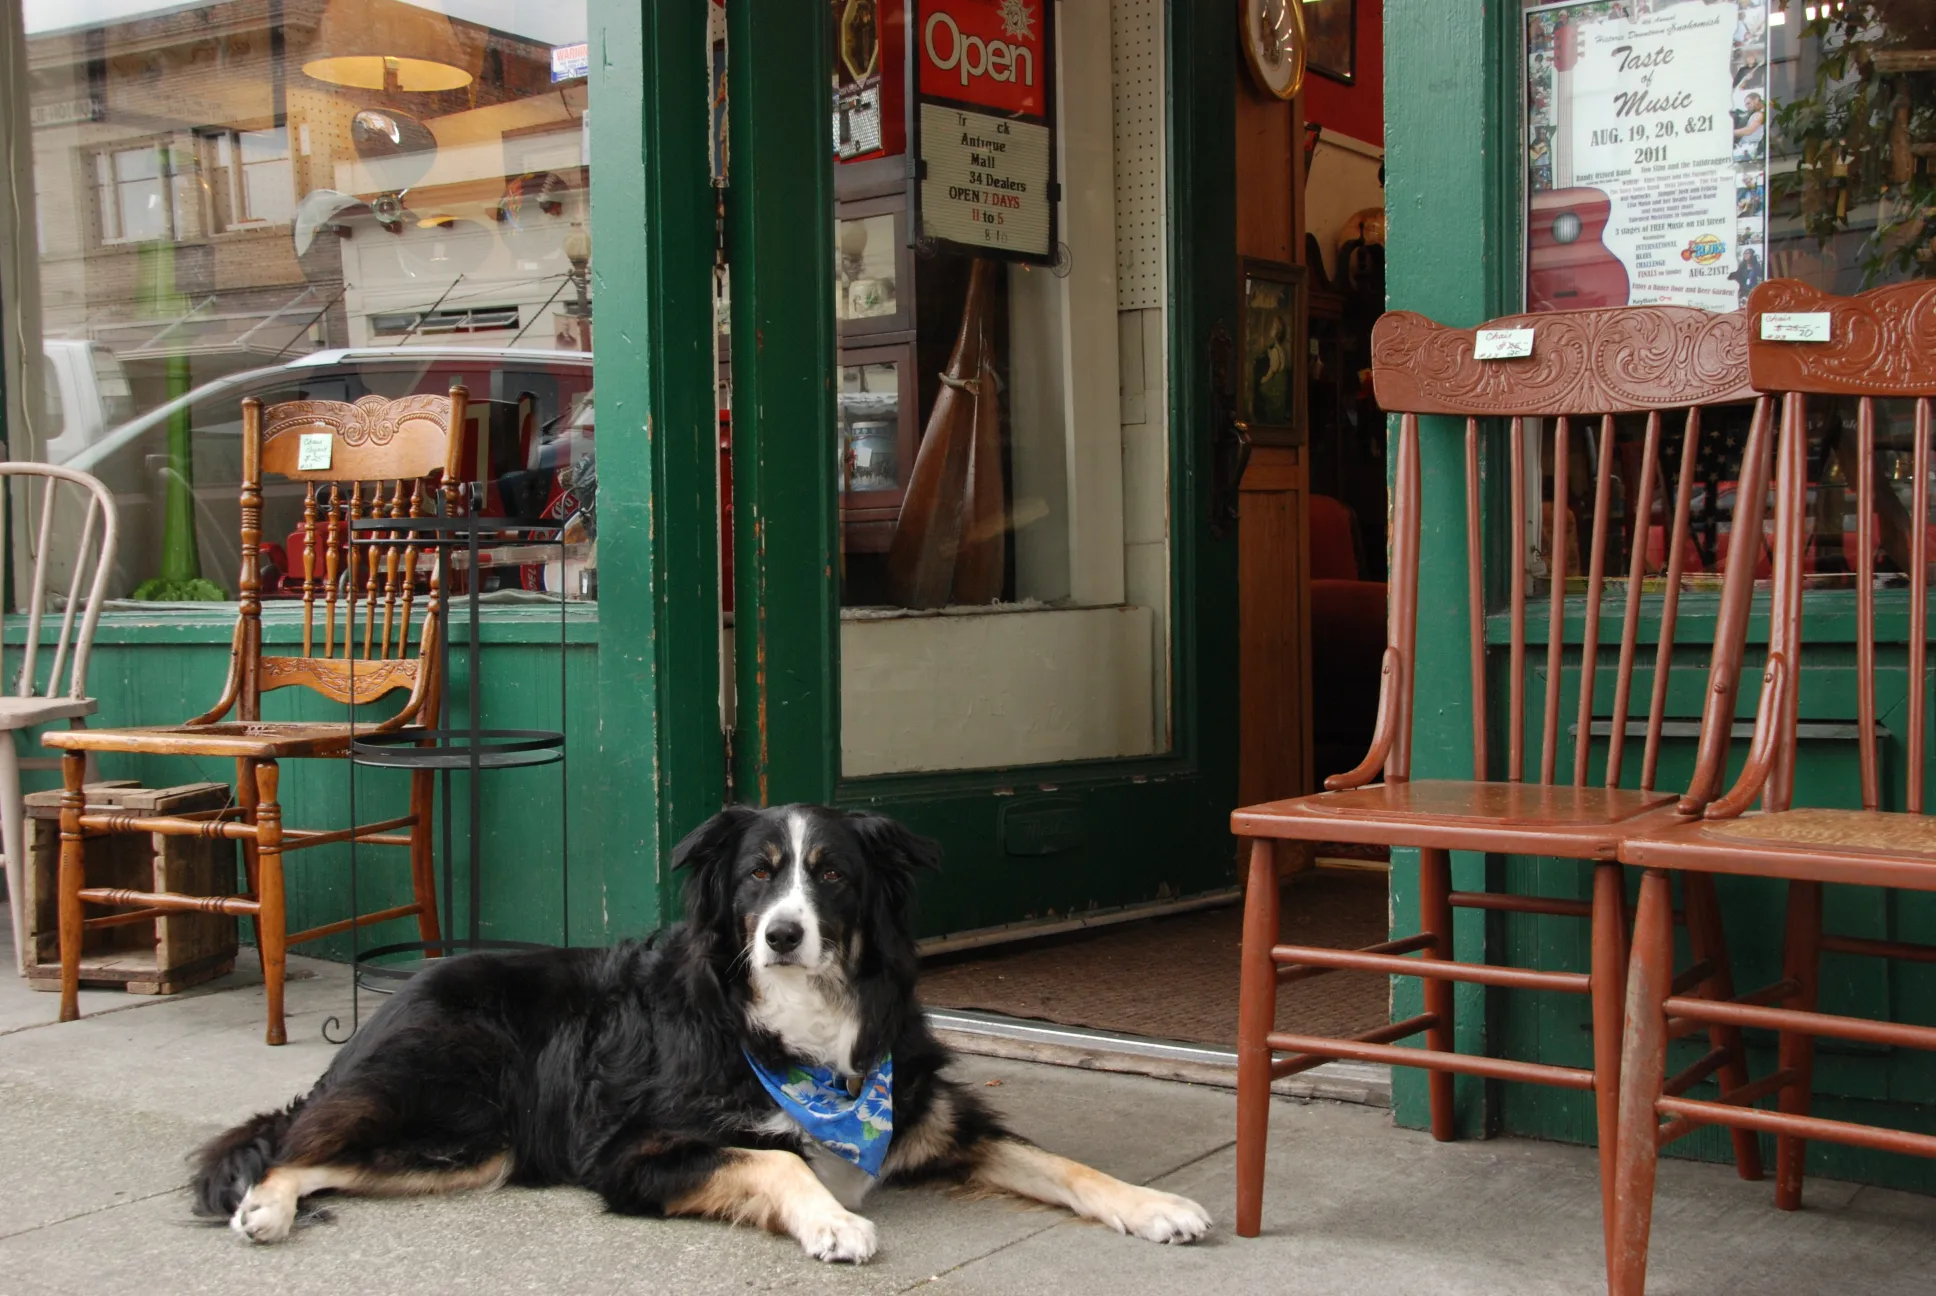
(1073, 746)
(1455, 128)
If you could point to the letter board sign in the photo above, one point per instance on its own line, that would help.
(980, 118)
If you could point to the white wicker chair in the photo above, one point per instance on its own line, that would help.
(36, 699)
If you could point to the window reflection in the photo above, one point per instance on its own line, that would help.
(304, 199)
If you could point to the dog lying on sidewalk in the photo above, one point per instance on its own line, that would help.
(763, 1062)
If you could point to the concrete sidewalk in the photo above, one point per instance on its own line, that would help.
(96, 1118)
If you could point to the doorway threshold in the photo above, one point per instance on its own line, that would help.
(993, 1035)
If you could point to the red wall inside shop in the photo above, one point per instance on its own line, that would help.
(1357, 110)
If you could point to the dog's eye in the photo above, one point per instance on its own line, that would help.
(762, 874)
(830, 875)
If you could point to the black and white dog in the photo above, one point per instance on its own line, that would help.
(637, 1071)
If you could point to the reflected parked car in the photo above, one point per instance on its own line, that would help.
(532, 416)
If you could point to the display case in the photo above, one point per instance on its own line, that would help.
(876, 441)
(878, 414)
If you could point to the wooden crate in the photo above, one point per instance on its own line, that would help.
(159, 956)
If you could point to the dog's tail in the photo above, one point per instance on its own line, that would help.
(233, 1162)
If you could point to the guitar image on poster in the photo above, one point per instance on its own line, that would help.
(1568, 264)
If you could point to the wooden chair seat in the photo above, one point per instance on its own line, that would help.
(1863, 847)
(256, 740)
(26, 712)
(1574, 822)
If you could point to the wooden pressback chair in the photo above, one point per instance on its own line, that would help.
(61, 694)
(1882, 344)
(376, 459)
(1585, 368)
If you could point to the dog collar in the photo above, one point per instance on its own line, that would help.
(855, 1128)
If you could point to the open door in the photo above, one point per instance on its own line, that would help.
(983, 477)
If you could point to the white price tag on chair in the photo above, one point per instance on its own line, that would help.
(1503, 344)
(312, 453)
(1795, 326)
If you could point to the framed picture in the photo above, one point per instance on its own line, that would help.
(1331, 36)
(1270, 359)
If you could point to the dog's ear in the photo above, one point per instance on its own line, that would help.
(708, 852)
(894, 852)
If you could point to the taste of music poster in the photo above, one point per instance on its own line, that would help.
(1647, 153)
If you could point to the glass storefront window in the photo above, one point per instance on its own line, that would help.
(1843, 94)
(1003, 422)
(302, 199)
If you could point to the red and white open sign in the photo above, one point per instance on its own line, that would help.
(989, 53)
(981, 125)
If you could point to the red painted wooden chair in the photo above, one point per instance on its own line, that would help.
(1586, 367)
(1883, 344)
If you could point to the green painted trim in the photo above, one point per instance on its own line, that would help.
(1451, 198)
(660, 766)
(1202, 198)
(780, 210)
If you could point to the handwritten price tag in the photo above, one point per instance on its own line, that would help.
(1795, 326)
(1503, 344)
(312, 453)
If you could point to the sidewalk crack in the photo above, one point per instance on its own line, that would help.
(95, 1210)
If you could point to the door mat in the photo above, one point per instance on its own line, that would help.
(1176, 978)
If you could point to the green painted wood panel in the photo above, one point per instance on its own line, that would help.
(786, 614)
(1447, 197)
(159, 671)
(658, 766)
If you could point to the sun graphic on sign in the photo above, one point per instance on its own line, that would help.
(1017, 19)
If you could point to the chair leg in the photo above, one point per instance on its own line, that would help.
(13, 839)
(1643, 1068)
(272, 919)
(1801, 964)
(245, 796)
(1256, 1014)
(1608, 996)
(73, 867)
(1708, 940)
(423, 871)
(1435, 916)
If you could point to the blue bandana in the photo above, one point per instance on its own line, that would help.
(854, 1129)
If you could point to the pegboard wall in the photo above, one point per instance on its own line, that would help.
(1136, 79)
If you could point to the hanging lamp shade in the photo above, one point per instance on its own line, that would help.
(387, 45)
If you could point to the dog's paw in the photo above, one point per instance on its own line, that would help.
(264, 1216)
(1162, 1217)
(838, 1237)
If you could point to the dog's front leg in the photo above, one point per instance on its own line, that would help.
(777, 1190)
(1012, 1166)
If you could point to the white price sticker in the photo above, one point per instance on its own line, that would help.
(1795, 326)
(312, 453)
(1503, 344)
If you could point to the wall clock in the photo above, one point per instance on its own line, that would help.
(1274, 44)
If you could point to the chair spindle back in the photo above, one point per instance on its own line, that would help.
(92, 558)
(1881, 345)
(1586, 367)
(373, 459)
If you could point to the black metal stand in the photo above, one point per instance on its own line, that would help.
(447, 749)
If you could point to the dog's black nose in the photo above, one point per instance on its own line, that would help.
(785, 935)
